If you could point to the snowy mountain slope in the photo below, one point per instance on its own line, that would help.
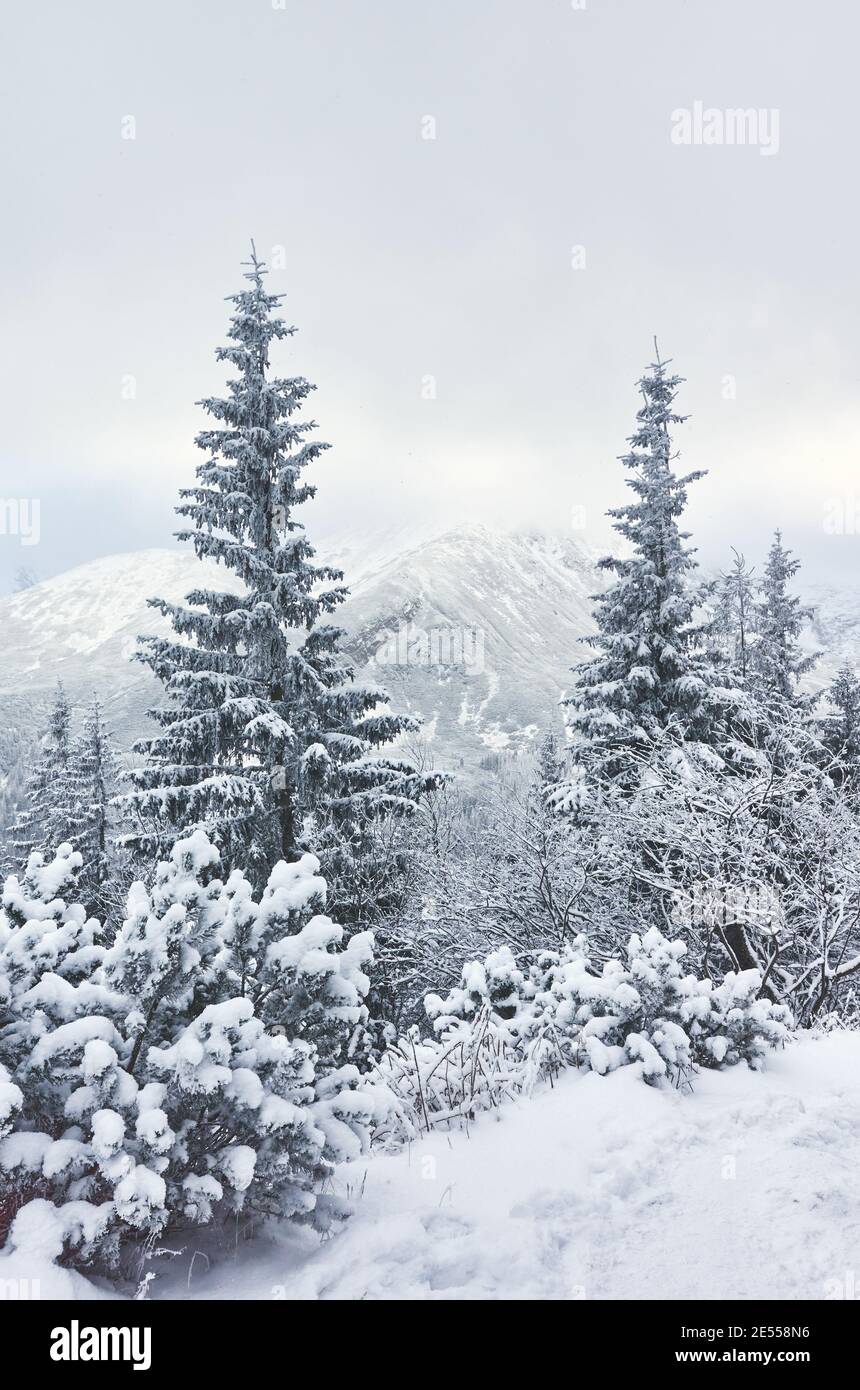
(473, 629)
(81, 627)
(834, 631)
(747, 1187)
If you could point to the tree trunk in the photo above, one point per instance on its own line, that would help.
(287, 819)
(735, 938)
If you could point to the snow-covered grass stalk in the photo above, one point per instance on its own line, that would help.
(475, 1066)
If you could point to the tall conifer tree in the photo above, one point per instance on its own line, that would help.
(652, 670)
(263, 730)
(93, 784)
(840, 726)
(778, 658)
(735, 615)
(46, 819)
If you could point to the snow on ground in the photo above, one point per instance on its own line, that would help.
(603, 1187)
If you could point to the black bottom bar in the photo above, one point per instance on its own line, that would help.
(89, 1339)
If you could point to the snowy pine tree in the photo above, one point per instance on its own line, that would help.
(778, 661)
(93, 781)
(549, 773)
(263, 729)
(734, 625)
(841, 725)
(196, 1068)
(652, 671)
(45, 820)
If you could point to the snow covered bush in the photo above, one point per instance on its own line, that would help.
(630, 1012)
(648, 1011)
(508, 1024)
(737, 1025)
(198, 1066)
(495, 982)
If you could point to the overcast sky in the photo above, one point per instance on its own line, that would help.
(407, 258)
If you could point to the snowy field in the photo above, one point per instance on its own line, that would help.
(603, 1187)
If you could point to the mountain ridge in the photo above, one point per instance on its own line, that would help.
(473, 629)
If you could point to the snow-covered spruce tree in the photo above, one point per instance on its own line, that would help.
(550, 770)
(196, 1069)
(93, 780)
(263, 729)
(46, 818)
(734, 623)
(840, 725)
(778, 660)
(652, 671)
